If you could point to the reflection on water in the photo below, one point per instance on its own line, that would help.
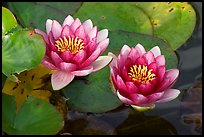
(167, 118)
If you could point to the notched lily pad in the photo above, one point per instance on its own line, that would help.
(21, 50)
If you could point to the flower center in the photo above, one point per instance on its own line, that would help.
(141, 74)
(73, 45)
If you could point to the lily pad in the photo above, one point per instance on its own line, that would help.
(33, 118)
(92, 93)
(171, 21)
(21, 50)
(35, 14)
(115, 16)
(32, 84)
(8, 21)
(120, 38)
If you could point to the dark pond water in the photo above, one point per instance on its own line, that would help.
(182, 116)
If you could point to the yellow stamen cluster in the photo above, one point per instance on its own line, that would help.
(141, 74)
(73, 45)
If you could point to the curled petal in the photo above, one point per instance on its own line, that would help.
(140, 48)
(103, 45)
(48, 25)
(56, 58)
(101, 62)
(68, 67)
(156, 51)
(56, 29)
(114, 61)
(149, 57)
(80, 32)
(124, 99)
(103, 34)
(88, 25)
(83, 72)
(75, 24)
(160, 60)
(68, 21)
(60, 79)
(47, 63)
(169, 95)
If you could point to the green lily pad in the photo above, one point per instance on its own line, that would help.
(115, 16)
(92, 93)
(8, 21)
(21, 50)
(120, 38)
(35, 14)
(35, 117)
(171, 21)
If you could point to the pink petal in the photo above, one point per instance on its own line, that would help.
(113, 77)
(103, 34)
(169, 95)
(149, 57)
(124, 99)
(88, 25)
(68, 21)
(114, 61)
(153, 66)
(79, 57)
(103, 45)
(68, 67)
(138, 99)
(131, 87)
(146, 88)
(125, 51)
(133, 55)
(121, 84)
(43, 34)
(161, 72)
(80, 32)
(47, 63)
(169, 79)
(83, 72)
(67, 56)
(154, 97)
(160, 60)
(124, 74)
(92, 58)
(92, 33)
(101, 62)
(144, 107)
(141, 61)
(66, 31)
(75, 24)
(156, 51)
(56, 58)
(51, 44)
(60, 79)
(140, 48)
(48, 25)
(56, 29)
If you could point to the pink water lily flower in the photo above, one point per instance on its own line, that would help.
(73, 49)
(140, 78)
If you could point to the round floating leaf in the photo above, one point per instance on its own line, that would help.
(120, 38)
(35, 117)
(92, 93)
(8, 21)
(171, 21)
(21, 50)
(35, 14)
(115, 16)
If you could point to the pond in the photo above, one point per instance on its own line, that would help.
(181, 116)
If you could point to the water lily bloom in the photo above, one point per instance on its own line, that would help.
(73, 49)
(140, 78)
